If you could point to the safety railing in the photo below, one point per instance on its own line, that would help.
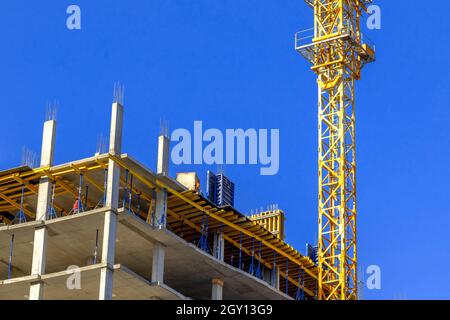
(305, 37)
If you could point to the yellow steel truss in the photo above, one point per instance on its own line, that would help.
(337, 53)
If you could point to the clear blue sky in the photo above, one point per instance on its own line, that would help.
(232, 64)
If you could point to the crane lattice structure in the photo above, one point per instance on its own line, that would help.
(338, 51)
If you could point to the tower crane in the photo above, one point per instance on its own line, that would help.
(337, 50)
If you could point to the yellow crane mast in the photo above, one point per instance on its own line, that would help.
(337, 50)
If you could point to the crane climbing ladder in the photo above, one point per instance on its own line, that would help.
(338, 51)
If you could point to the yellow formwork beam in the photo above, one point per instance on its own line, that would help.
(33, 189)
(15, 204)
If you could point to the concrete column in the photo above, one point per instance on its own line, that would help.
(219, 246)
(217, 289)
(43, 203)
(112, 203)
(275, 277)
(267, 275)
(161, 208)
(158, 263)
(163, 155)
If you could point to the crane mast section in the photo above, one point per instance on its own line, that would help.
(337, 52)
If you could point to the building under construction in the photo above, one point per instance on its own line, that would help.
(128, 232)
(107, 227)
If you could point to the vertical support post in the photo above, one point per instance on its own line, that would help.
(158, 216)
(10, 259)
(219, 246)
(86, 197)
(162, 169)
(151, 215)
(105, 187)
(275, 273)
(275, 277)
(267, 275)
(158, 263)
(287, 277)
(125, 190)
(161, 208)
(80, 188)
(217, 289)
(130, 194)
(96, 247)
(43, 204)
(112, 203)
(240, 251)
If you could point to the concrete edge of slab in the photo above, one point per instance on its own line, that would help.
(127, 270)
(164, 236)
(10, 229)
(27, 280)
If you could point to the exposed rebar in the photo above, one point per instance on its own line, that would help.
(51, 110)
(119, 92)
(164, 127)
(29, 158)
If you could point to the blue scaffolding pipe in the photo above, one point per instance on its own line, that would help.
(258, 273)
(162, 221)
(315, 291)
(51, 211)
(203, 242)
(138, 202)
(287, 276)
(153, 212)
(219, 243)
(86, 194)
(251, 269)
(11, 247)
(96, 247)
(240, 251)
(105, 187)
(130, 192)
(80, 203)
(20, 216)
(200, 241)
(125, 191)
(300, 295)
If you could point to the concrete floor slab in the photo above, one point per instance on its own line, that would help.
(72, 241)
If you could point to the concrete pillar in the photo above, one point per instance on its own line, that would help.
(275, 277)
(161, 208)
(267, 275)
(158, 263)
(219, 246)
(112, 203)
(163, 155)
(217, 289)
(43, 203)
